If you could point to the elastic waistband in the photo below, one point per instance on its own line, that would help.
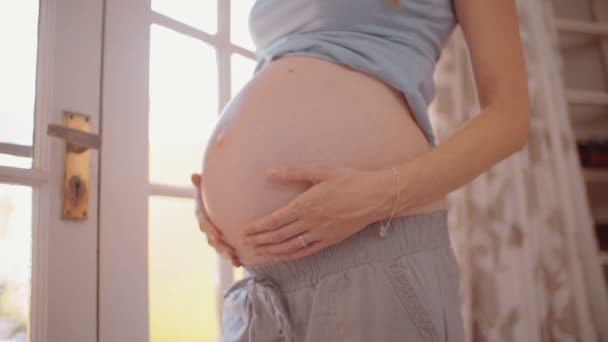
(406, 235)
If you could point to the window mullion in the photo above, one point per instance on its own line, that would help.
(224, 267)
(19, 176)
(24, 151)
(185, 29)
(165, 190)
(223, 52)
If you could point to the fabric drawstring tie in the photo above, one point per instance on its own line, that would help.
(254, 311)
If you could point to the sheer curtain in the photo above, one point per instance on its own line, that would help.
(523, 231)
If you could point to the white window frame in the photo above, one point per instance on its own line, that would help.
(123, 251)
(37, 177)
(63, 303)
(224, 50)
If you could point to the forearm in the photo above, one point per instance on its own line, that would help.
(484, 141)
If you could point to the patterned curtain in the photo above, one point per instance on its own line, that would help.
(522, 231)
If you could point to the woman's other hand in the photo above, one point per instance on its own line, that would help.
(213, 234)
(340, 202)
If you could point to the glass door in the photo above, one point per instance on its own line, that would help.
(49, 62)
(170, 67)
(18, 39)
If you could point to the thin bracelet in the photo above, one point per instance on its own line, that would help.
(384, 227)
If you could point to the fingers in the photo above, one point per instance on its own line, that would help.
(199, 211)
(289, 246)
(219, 245)
(204, 222)
(196, 179)
(212, 233)
(214, 237)
(277, 219)
(235, 260)
(275, 236)
(206, 226)
(302, 252)
(225, 249)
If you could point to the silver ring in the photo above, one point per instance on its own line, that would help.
(302, 241)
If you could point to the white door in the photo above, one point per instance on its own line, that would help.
(50, 62)
(169, 68)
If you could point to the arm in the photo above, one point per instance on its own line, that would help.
(491, 31)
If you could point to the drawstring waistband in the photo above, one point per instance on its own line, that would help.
(406, 235)
(253, 307)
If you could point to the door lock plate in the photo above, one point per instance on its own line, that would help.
(76, 161)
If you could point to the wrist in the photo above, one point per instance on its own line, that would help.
(381, 193)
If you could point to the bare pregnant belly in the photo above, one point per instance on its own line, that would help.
(298, 111)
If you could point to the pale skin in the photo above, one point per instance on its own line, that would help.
(342, 201)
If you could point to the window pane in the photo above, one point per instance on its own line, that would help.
(14, 161)
(238, 273)
(201, 14)
(183, 291)
(183, 104)
(242, 70)
(239, 23)
(15, 261)
(18, 43)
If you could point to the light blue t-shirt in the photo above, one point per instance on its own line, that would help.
(399, 44)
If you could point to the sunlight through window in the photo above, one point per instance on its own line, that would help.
(183, 104)
(183, 290)
(239, 23)
(200, 14)
(15, 261)
(242, 71)
(19, 45)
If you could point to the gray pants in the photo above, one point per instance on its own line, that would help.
(400, 288)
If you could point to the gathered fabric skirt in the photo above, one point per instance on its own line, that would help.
(403, 287)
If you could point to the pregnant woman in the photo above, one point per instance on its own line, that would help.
(347, 239)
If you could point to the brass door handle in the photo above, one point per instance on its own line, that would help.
(78, 137)
(76, 131)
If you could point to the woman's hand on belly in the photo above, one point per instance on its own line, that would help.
(336, 206)
(212, 233)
